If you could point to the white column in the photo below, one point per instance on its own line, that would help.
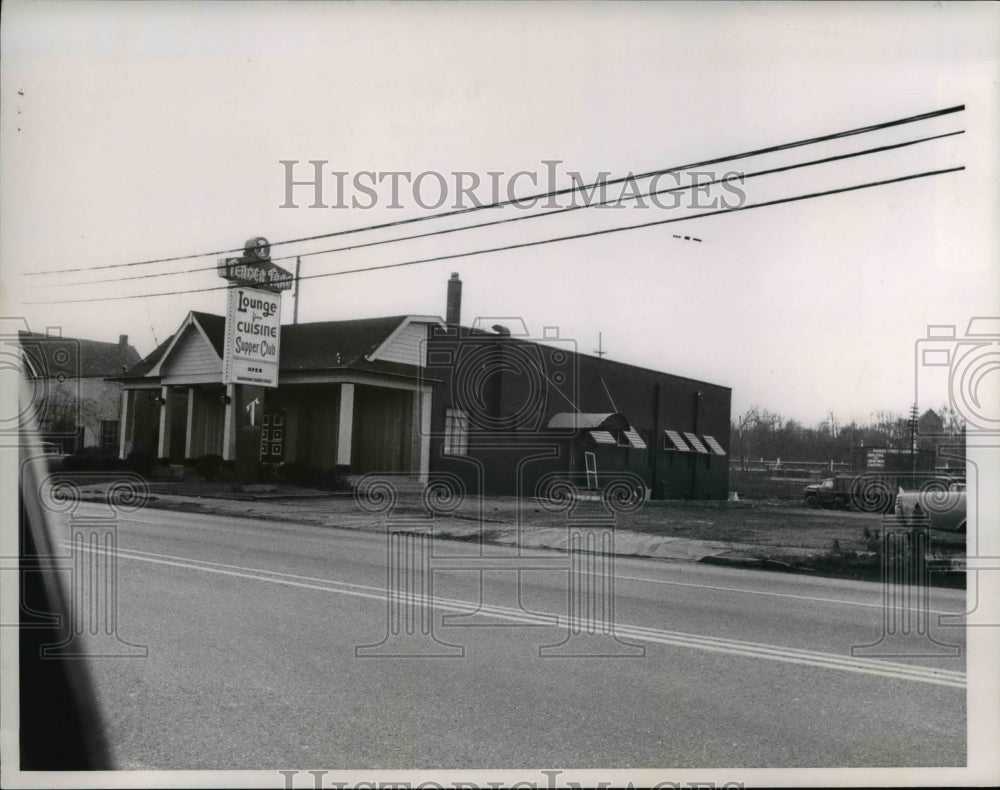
(123, 426)
(228, 432)
(345, 425)
(188, 432)
(423, 398)
(163, 446)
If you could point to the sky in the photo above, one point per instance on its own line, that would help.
(141, 131)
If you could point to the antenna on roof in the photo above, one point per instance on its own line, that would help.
(295, 296)
(152, 331)
(608, 393)
(600, 346)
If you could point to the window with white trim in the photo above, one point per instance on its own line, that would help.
(456, 432)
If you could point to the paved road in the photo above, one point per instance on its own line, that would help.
(252, 630)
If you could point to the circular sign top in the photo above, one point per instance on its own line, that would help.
(258, 248)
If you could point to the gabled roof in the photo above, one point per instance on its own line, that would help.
(322, 345)
(334, 344)
(399, 330)
(206, 324)
(50, 356)
(143, 366)
(214, 327)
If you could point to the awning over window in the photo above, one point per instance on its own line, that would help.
(634, 439)
(716, 447)
(602, 437)
(695, 442)
(675, 439)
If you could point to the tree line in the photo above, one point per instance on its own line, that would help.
(759, 433)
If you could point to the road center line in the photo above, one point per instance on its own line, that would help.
(868, 666)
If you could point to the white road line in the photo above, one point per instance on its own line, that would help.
(845, 663)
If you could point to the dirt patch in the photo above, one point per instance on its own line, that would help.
(763, 525)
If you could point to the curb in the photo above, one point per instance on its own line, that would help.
(725, 557)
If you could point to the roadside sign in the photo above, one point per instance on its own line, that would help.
(258, 274)
(253, 337)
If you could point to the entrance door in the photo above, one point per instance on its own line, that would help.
(383, 430)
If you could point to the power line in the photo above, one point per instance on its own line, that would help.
(523, 245)
(699, 185)
(540, 196)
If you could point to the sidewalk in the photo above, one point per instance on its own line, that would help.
(495, 518)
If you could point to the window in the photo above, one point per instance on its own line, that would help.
(109, 435)
(456, 432)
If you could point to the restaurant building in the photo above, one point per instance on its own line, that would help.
(418, 395)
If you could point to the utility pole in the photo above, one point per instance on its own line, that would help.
(600, 347)
(295, 303)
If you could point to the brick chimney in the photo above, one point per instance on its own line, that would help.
(122, 341)
(453, 310)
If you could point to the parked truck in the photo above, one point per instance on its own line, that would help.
(831, 492)
(871, 492)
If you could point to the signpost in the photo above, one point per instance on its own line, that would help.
(252, 343)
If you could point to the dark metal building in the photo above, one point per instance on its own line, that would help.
(508, 412)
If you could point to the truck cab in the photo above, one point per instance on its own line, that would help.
(829, 493)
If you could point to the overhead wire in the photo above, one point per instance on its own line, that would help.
(540, 196)
(539, 242)
(441, 232)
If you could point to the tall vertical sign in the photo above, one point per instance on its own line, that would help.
(252, 343)
(253, 315)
